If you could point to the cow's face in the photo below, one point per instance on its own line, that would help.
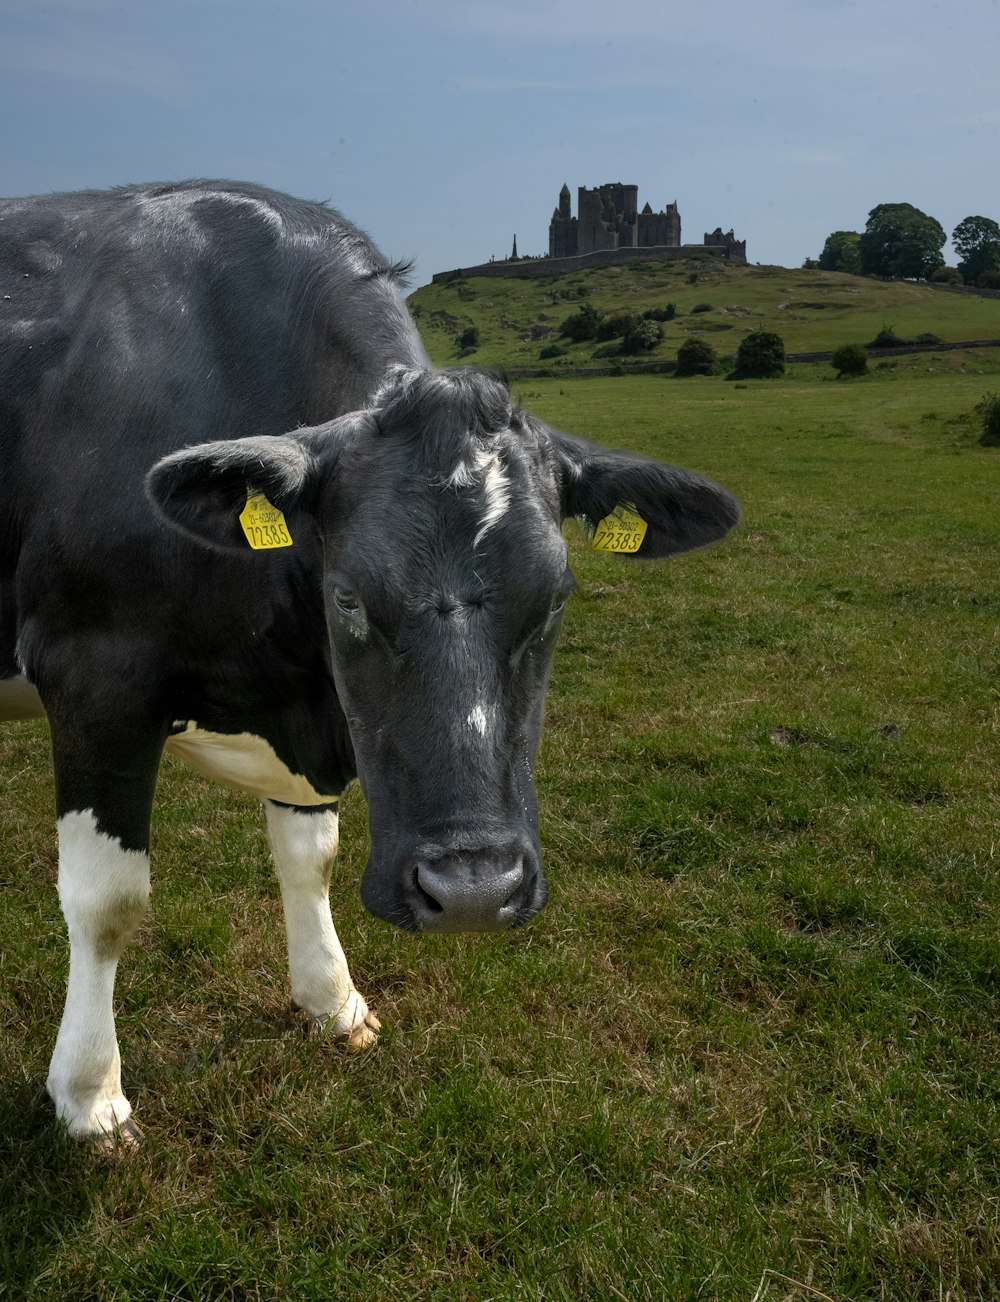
(444, 581)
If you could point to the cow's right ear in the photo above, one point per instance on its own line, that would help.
(204, 491)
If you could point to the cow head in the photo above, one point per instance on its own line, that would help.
(438, 513)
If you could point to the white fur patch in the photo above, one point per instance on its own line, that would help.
(471, 470)
(243, 761)
(496, 488)
(103, 890)
(482, 719)
(483, 467)
(303, 846)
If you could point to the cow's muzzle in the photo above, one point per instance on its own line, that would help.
(464, 890)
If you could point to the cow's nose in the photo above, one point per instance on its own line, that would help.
(466, 893)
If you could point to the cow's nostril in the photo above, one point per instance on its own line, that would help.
(430, 903)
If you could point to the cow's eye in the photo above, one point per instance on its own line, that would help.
(346, 601)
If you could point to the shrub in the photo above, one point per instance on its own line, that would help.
(642, 335)
(696, 357)
(989, 409)
(928, 337)
(583, 324)
(702, 307)
(612, 349)
(661, 313)
(468, 338)
(761, 355)
(552, 350)
(887, 338)
(612, 327)
(989, 280)
(849, 359)
(946, 276)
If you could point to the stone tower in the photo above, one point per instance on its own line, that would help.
(562, 228)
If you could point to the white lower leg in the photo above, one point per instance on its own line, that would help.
(104, 891)
(303, 846)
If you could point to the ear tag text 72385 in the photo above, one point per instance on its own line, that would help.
(620, 531)
(263, 524)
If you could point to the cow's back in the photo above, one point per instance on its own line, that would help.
(140, 320)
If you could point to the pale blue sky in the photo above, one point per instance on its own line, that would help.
(442, 127)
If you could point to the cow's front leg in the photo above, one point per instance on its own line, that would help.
(304, 843)
(104, 891)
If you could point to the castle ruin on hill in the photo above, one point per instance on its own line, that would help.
(608, 228)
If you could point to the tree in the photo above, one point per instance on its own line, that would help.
(840, 253)
(761, 355)
(613, 327)
(900, 240)
(977, 242)
(583, 324)
(695, 357)
(642, 335)
(469, 338)
(849, 359)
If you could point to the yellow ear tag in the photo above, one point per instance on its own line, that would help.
(264, 525)
(621, 531)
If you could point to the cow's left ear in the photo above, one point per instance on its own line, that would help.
(205, 490)
(680, 510)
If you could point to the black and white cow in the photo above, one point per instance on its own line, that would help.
(242, 518)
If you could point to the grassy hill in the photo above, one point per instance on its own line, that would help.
(811, 310)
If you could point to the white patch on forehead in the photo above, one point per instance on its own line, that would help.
(496, 488)
(481, 718)
(483, 466)
(471, 470)
(245, 762)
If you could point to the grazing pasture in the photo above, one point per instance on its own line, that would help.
(750, 1050)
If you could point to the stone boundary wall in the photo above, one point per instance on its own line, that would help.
(600, 258)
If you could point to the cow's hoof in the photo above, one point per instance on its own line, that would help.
(125, 1138)
(364, 1035)
(354, 1026)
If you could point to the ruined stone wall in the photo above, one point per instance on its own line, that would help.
(659, 228)
(606, 217)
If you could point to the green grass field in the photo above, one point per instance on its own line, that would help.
(751, 1049)
(812, 310)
